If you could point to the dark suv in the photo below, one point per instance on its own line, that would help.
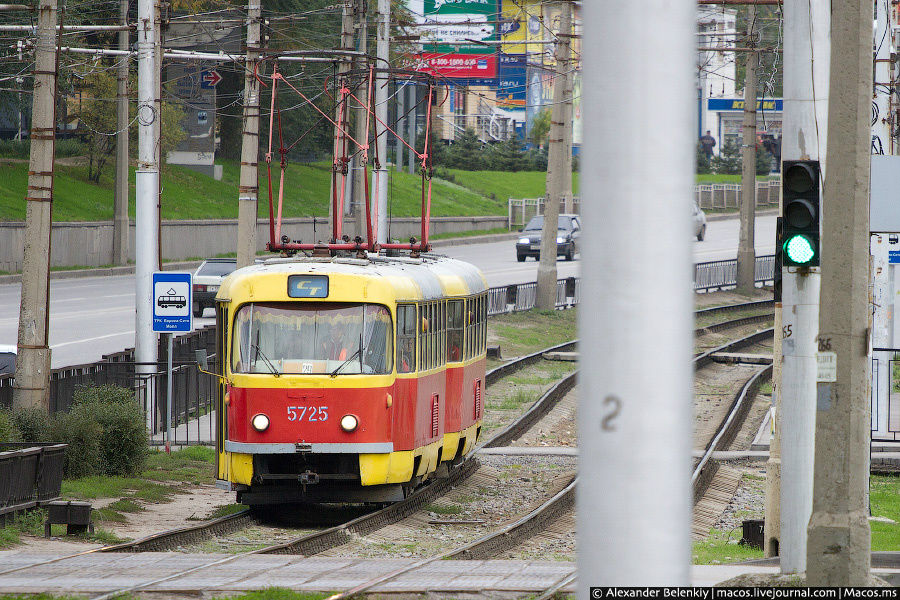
(567, 232)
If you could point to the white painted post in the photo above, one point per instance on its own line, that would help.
(806, 69)
(634, 497)
(146, 248)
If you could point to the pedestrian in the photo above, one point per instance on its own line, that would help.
(707, 143)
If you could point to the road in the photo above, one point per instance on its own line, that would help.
(93, 316)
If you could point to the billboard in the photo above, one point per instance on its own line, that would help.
(450, 32)
(512, 83)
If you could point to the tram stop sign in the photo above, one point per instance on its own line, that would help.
(172, 302)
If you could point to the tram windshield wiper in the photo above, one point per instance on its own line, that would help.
(268, 362)
(357, 352)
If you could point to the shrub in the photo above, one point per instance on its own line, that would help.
(122, 434)
(69, 147)
(8, 430)
(33, 424)
(81, 432)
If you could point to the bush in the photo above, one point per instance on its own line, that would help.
(70, 147)
(729, 162)
(8, 430)
(122, 435)
(15, 148)
(81, 432)
(32, 423)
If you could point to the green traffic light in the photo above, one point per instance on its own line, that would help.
(799, 249)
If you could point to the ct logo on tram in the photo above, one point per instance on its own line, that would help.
(308, 286)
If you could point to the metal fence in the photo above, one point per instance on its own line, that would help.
(720, 274)
(522, 209)
(29, 476)
(728, 195)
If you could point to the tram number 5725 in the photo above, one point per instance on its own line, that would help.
(309, 413)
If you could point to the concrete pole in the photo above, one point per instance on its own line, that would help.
(546, 275)
(400, 123)
(362, 123)
(120, 218)
(806, 67)
(411, 126)
(568, 132)
(32, 385)
(146, 181)
(746, 257)
(382, 51)
(341, 113)
(636, 277)
(248, 191)
(838, 552)
(881, 129)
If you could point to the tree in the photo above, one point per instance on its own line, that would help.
(466, 152)
(704, 164)
(97, 113)
(508, 155)
(729, 161)
(540, 128)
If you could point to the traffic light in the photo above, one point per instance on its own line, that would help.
(800, 202)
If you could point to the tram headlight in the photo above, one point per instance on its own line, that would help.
(349, 423)
(260, 422)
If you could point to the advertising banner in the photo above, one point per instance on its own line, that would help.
(450, 30)
(512, 83)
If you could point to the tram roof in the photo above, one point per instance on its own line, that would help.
(426, 278)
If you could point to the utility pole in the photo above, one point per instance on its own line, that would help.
(568, 130)
(362, 122)
(806, 68)
(411, 126)
(146, 180)
(248, 192)
(120, 217)
(341, 117)
(636, 286)
(546, 276)
(400, 103)
(32, 385)
(838, 551)
(746, 258)
(382, 52)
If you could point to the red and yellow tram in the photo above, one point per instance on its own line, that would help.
(347, 379)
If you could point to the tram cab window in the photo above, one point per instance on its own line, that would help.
(406, 338)
(309, 338)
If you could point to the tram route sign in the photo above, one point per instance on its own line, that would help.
(172, 302)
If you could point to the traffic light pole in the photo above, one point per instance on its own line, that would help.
(806, 68)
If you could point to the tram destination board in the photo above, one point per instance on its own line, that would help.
(172, 302)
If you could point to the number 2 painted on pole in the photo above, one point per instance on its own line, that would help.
(606, 424)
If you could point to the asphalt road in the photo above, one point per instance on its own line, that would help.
(93, 316)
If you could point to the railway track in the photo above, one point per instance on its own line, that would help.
(488, 545)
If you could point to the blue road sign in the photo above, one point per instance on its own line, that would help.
(893, 257)
(172, 302)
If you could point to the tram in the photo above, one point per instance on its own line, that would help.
(347, 379)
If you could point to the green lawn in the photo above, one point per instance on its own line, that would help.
(503, 185)
(190, 195)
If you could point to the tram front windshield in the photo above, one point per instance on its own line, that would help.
(312, 338)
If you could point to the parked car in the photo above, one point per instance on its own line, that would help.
(7, 359)
(699, 223)
(207, 279)
(567, 233)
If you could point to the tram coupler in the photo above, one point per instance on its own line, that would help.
(309, 478)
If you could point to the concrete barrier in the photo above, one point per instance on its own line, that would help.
(90, 244)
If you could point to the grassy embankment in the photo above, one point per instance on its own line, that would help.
(190, 195)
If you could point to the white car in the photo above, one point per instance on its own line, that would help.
(699, 218)
(207, 279)
(7, 359)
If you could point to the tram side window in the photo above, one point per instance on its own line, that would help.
(406, 338)
(442, 344)
(469, 329)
